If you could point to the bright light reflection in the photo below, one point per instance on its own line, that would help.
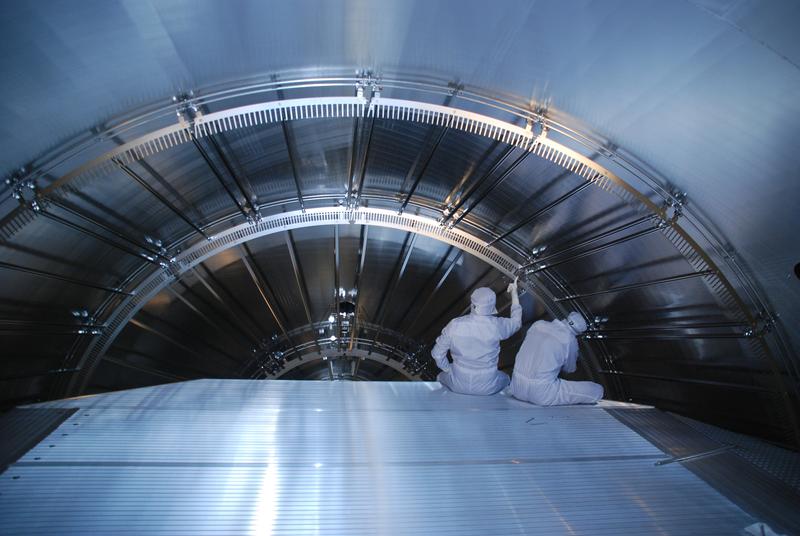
(266, 507)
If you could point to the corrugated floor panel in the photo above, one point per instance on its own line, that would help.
(781, 463)
(754, 489)
(22, 428)
(240, 457)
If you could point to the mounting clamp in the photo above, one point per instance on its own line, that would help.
(187, 110)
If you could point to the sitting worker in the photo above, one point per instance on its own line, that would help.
(548, 349)
(474, 344)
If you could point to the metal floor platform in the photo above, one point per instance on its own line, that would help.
(286, 458)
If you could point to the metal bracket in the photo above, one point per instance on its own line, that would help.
(536, 126)
(456, 88)
(535, 252)
(764, 324)
(83, 316)
(368, 87)
(673, 208)
(25, 191)
(187, 110)
(418, 360)
(598, 322)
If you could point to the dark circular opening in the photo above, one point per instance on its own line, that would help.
(797, 270)
(347, 307)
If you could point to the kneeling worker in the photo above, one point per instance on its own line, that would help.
(549, 348)
(474, 344)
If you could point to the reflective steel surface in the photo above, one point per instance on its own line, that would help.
(251, 457)
(633, 160)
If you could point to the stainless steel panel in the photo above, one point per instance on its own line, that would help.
(248, 457)
(701, 96)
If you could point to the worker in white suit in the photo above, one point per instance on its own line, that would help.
(548, 349)
(474, 344)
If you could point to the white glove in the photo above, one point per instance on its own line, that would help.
(512, 287)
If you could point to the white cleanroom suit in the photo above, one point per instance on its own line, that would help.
(474, 344)
(549, 348)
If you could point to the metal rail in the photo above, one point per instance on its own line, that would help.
(73, 281)
(423, 169)
(97, 236)
(163, 200)
(492, 185)
(108, 229)
(637, 285)
(246, 192)
(585, 253)
(539, 212)
(214, 171)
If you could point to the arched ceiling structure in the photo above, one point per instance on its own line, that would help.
(312, 189)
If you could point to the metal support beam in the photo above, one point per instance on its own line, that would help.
(161, 335)
(541, 266)
(260, 287)
(362, 169)
(439, 284)
(247, 192)
(287, 137)
(595, 336)
(397, 278)
(186, 366)
(566, 247)
(637, 285)
(710, 383)
(108, 229)
(238, 322)
(402, 258)
(477, 184)
(351, 166)
(150, 320)
(539, 212)
(668, 327)
(422, 170)
(51, 372)
(455, 302)
(44, 326)
(336, 281)
(215, 325)
(298, 274)
(427, 283)
(362, 255)
(221, 179)
(164, 201)
(147, 370)
(50, 275)
(97, 236)
(456, 190)
(494, 184)
(261, 291)
(265, 281)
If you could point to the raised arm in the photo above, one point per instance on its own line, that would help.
(512, 324)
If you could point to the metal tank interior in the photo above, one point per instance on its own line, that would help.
(201, 198)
